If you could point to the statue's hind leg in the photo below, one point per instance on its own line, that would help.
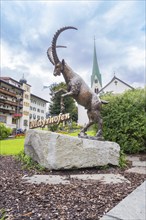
(85, 128)
(100, 124)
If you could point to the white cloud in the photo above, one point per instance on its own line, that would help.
(138, 85)
(118, 12)
(11, 57)
(135, 57)
(28, 28)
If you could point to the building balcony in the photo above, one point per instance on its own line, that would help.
(9, 111)
(10, 93)
(7, 102)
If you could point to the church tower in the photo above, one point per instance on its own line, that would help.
(96, 85)
(96, 81)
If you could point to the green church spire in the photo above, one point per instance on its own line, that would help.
(96, 76)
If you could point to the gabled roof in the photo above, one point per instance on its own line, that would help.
(95, 69)
(7, 83)
(115, 78)
(9, 78)
(32, 95)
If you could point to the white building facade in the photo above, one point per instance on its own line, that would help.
(115, 86)
(37, 108)
(18, 105)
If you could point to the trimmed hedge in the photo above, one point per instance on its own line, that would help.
(124, 120)
(4, 131)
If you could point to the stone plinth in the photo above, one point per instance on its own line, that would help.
(57, 151)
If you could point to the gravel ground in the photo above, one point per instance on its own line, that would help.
(80, 200)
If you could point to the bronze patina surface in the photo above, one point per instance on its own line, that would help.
(77, 88)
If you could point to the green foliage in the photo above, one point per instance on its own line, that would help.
(122, 160)
(65, 127)
(2, 214)
(104, 167)
(4, 131)
(76, 132)
(69, 126)
(124, 120)
(69, 102)
(53, 127)
(28, 163)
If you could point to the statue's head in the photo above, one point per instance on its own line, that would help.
(59, 67)
(52, 53)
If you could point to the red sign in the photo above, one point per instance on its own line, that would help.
(17, 115)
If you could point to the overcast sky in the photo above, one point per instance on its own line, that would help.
(27, 29)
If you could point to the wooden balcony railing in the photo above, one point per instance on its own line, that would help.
(5, 101)
(9, 111)
(4, 91)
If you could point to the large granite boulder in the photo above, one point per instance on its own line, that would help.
(57, 151)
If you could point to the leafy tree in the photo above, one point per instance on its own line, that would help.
(55, 108)
(124, 120)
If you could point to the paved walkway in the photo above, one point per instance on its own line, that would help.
(57, 179)
(133, 207)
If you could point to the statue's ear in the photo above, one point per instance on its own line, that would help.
(63, 62)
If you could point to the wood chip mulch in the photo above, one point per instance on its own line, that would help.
(79, 200)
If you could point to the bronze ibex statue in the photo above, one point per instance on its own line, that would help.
(77, 88)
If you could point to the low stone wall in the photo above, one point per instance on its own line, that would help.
(58, 151)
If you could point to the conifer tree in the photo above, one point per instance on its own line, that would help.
(56, 90)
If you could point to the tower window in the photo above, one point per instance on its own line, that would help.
(96, 90)
(96, 81)
(116, 82)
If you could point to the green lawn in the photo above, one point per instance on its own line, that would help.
(11, 146)
(91, 133)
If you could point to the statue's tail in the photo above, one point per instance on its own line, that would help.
(104, 102)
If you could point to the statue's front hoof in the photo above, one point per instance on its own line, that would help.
(99, 138)
(82, 135)
(99, 134)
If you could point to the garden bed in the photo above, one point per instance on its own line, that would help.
(78, 200)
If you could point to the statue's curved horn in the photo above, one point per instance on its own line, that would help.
(54, 53)
(49, 53)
